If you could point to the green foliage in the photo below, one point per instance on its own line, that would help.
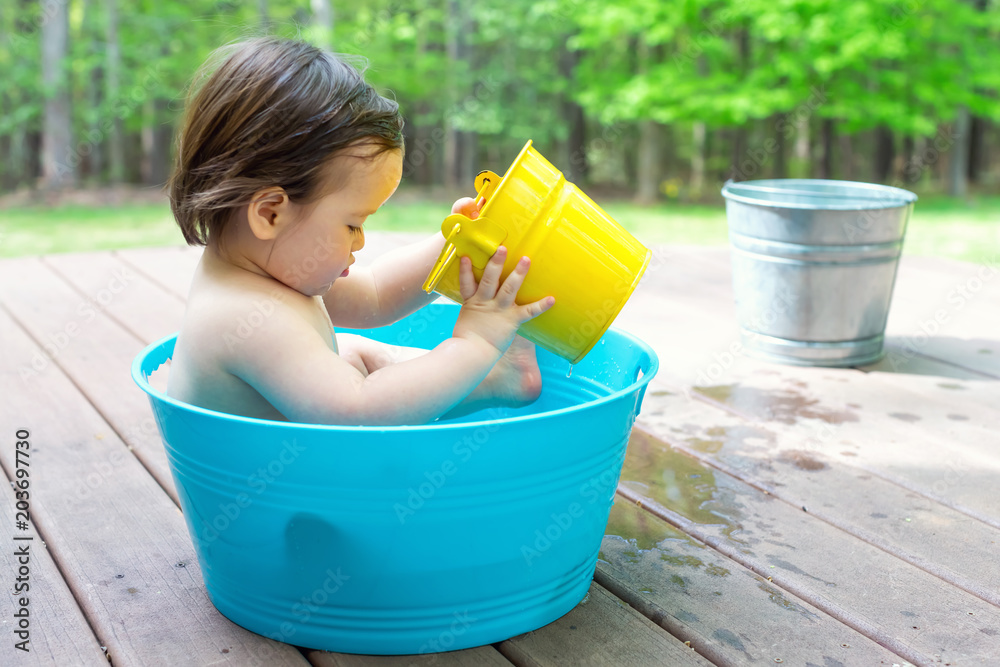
(906, 63)
(496, 69)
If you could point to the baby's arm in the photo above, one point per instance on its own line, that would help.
(289, 364)
(392, 288)
(387, 291)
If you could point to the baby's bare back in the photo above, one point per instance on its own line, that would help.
(226, 307)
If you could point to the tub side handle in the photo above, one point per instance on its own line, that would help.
(641, 369)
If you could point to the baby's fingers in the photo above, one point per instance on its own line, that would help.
(466, 206)
(530, 311)
(491, 274)
(466, 279)
(508, 291)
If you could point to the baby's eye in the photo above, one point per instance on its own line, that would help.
(355, 230)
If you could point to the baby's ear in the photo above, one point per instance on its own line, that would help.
(268, 212)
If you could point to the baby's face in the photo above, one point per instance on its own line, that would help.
(319, 248)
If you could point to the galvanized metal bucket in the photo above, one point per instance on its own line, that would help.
(814, 263)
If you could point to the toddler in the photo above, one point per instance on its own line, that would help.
(283, 154)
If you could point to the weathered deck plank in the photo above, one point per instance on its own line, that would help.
(731, 615)
(695, 334)
(119, 540)
(58, 630)
(911, 441)
(909, 611)
(92, 349)
(770, 431)
(127, 296)
(170, 267)
(947, 313)
(484, 656)
(793, 465)
(601, 630)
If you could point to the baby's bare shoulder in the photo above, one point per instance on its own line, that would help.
(236, 319)
(236, 329)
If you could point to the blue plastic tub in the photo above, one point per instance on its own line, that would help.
(407, 539)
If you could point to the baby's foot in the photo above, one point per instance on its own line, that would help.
(515, 380)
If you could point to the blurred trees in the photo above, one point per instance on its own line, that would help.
(653, 97)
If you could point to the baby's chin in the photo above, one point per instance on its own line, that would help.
(312, 290)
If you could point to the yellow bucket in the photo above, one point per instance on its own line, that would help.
(579, 254)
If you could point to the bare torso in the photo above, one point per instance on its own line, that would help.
(225, 306)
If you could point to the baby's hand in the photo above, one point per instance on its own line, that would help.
(466, 206)
(489, 311)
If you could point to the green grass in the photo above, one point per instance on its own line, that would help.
(940, 226)
(37, 230)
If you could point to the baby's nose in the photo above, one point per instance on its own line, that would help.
(359, 241)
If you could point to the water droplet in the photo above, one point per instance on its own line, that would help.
(569, 373)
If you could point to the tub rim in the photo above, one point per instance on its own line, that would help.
(638, 384)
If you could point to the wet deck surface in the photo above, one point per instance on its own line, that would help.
(766, 514)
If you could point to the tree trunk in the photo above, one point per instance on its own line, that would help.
(6, 153)
(134, 155)
(977, 148)
(421, 156)
(668, 154)
(736, 171)
(958, 171)
(846, 157)
(827, 131)
(26, 140)
(907, 157)
(884, 153)
(263, 16)
(11, 159)
(803, 146)
(322, 12)
(156, 143)
(780, 123)
(116, 131)
(470, 159)
(469, 154)
(630, 162)
(59, 162)
(698, 159)
(575, 160)
(94, 140)
(740, 135)
(32, 155)
(452, 139)
(648, 162)
(916, 171)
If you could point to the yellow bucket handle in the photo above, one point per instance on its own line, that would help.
(443, 260)
(477, 239)
(486, 184)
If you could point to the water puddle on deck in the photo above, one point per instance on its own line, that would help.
(680, 483)
(782, 405)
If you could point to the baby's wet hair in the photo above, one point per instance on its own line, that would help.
(270, 112)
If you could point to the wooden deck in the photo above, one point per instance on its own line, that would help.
(766, 515)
